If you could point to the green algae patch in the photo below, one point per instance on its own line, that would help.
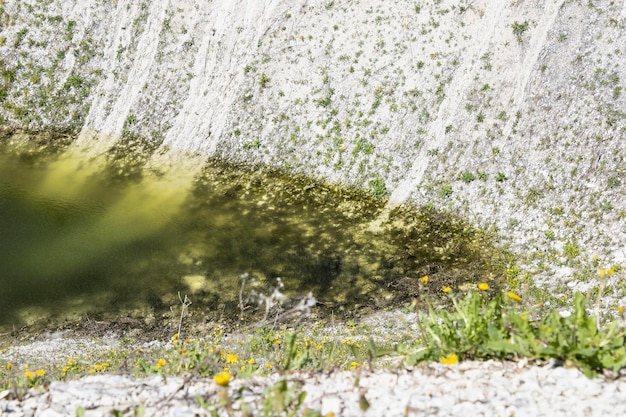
(78, 242)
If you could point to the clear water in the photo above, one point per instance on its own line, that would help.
(75, 240)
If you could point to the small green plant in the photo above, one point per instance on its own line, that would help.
(254, 144)
(519, 28)
(130, 120)
(617, 90)
(377, 187)
(486, 59)
(500, 177)
(613, 181)
(445, 190)
(325, 101)
(264, 80)
(9, 74)
(69, 30)
(571, 250)
(19, 37)
(467, 177)
(74, 81)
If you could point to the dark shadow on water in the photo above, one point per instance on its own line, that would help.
(92, 247)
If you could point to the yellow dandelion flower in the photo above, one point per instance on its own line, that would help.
(446, 289)
(620, 310)
(354, 365)
(483, 286)
(40, 372)
(268, 365)
(451, 359)
(602, 272)
(232, 358)
(222, 379)
(611, 271)
(160, 363)
(514, 296)
(251, 361)
(29, 374)
(175, 339)
(9, 365)
(424, 279)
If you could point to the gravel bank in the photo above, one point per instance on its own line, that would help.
(466, 389)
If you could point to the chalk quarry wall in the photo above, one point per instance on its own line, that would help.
(512, 112)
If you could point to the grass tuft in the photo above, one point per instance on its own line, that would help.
(479, 327)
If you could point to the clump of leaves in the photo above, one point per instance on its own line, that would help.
(377, 187)
(481, 328)
(519, 28)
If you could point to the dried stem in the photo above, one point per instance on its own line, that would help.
(185, 304)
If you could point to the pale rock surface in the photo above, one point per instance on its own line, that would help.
(471, 388)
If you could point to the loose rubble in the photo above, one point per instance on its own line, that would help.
(488, 388)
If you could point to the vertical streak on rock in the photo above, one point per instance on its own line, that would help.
(234, 29)
(79, 11)
(105, 122)
(452, 103)
(527, 66)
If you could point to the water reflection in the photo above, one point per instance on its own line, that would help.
(84, 243)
